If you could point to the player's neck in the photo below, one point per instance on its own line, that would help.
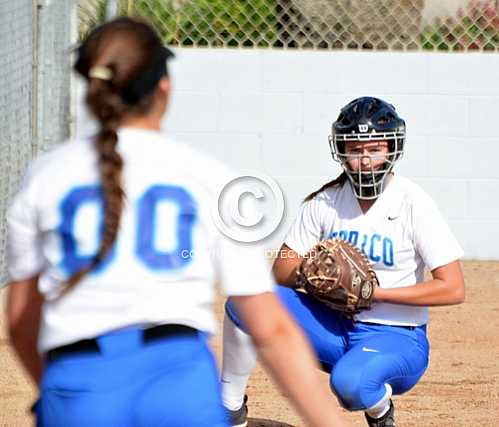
(365, 205)
(144, 122)
(150, 120)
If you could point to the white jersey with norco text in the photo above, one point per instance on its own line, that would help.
(401, 234)
(166, 258)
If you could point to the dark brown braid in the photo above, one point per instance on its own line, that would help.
(122, 46)
(337, 181)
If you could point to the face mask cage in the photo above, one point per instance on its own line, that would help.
(368, 184)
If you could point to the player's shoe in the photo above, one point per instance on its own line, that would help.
(239, 417)
(387, 420)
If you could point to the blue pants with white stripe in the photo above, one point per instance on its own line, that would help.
(171, 381)
(361, 357)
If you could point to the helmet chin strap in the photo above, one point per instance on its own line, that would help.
(369, 185)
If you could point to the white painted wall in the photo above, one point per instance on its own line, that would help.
(271, 111)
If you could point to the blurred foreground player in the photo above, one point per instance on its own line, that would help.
(112, 267)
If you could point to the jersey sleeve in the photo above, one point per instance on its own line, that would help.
(433, 239)
(24, 253)
(306, 230)
(242, 268)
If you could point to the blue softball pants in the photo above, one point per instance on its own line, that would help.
(171, 381)
(360, 357)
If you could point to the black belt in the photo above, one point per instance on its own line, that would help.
(148, 335)
(411, 328)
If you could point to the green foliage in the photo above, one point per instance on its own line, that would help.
(475, 28)
(90, 15)
(261, 23)
(212, 22)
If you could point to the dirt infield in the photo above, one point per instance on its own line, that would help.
(460, 388)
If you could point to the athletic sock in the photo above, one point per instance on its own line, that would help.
(382, 407)
(238, 361)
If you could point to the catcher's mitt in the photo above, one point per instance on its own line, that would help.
(338, 274)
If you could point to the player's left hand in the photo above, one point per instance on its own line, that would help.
(338, 274)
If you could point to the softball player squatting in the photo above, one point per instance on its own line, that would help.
(384, 351)
(112, 257)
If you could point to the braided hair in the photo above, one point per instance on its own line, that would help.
(122, 61)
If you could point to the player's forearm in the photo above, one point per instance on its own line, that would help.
(435, 292)
(287, 279)
(24, 304)
(292, 364)
(24, 344)
(285, 266)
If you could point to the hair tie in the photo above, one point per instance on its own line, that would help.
(100, 72)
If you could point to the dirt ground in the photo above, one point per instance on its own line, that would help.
(460, 388)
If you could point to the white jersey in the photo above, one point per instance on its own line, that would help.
(168, 253)
(401, 234)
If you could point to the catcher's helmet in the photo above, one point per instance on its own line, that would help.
(368, 119)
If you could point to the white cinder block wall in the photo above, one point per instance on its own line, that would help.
(271, 111)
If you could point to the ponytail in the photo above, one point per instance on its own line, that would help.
(337, 181)
(123, 61)
(108, 108)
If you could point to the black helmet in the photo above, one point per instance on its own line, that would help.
(368, 119)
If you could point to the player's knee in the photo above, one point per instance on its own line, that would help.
(347, 387)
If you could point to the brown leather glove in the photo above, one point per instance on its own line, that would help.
(338, 274)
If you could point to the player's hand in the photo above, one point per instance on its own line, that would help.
(339, 275)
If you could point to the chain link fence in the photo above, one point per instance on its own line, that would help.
(35, 38)
(57, 36)
(16, 88)
(437, 25)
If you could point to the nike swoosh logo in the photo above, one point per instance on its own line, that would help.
(391, 218)
(370, 350)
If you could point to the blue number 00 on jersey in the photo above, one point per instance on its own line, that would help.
(145, 239)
